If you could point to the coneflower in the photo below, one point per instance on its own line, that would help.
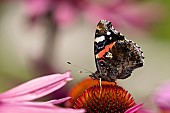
(107, 98)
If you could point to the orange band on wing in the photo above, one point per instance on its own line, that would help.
(105, 50)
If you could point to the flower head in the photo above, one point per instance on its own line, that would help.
(108, 98)
(19, 99)
(80, 87)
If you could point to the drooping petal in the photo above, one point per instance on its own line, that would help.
(58, 101)
(161, 96)
(36, 88)
(35, 107)
(134, 108)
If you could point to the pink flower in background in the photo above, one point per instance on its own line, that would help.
(63, 11)
(37, 8)
(162, 97)
(19, 99)
(124, 12)
(120, 12)
(144, 110)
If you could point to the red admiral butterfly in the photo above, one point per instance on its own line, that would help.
(115, 56)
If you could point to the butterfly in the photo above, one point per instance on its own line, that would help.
(115, 56)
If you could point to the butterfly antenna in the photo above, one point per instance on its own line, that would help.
(79, 67)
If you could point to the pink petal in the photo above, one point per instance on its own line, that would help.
(58, 101)
(36, 88)
(144, 110)
(134, 108)
(34, 107)
(161, 96)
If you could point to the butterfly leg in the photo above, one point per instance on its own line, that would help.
(100, 87)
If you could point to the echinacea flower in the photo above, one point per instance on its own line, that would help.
(19, 99)
(161, 97)
(107, 98)
(63, 12)
(124, 12)
(145, 110)
(120, 12)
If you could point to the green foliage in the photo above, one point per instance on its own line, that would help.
(161, 30)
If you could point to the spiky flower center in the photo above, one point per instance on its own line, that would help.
(105, 99)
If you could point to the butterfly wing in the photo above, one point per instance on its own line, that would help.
(115, 56)
(105, 36)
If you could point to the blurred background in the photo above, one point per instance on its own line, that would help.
(38, 37)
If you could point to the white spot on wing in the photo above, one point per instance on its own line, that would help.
(108, 33)
(99, 39)
(97, 56)
(116, 32)
(109, 55)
